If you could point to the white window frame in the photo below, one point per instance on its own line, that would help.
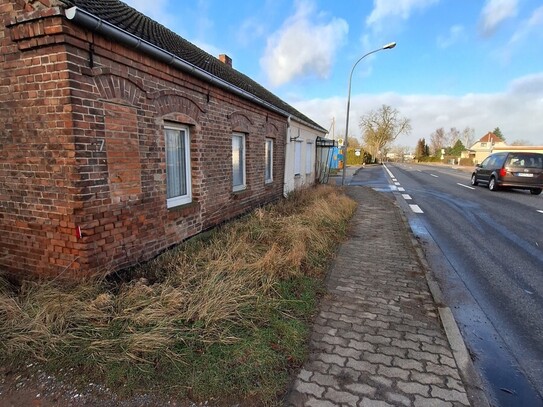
(297, 157)
(309, 157)
(268, 161)
(243, 185)
(185, 135)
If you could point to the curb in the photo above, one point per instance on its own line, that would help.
(471, 378)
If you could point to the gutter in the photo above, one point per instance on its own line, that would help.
(108, 30)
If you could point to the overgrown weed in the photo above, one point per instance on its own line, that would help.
(226, 314)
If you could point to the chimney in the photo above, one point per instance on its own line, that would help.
(225, 59)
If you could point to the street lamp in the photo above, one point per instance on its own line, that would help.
(387, 46)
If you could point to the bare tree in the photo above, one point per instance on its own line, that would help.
(521, 142)
(381, 127)
(468, 137)
(452, 137)
(437, 140)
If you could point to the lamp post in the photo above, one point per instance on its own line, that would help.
(387, 46)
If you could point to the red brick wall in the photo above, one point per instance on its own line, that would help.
(83, 146)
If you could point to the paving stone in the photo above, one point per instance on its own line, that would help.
(377, 358)
(367, 402)
(398, 399)
(313, 402)
(383, 381)
(326, 330)
(309, 388)
(393, 351)
(342, 397)
(426, 402)
(442, 370)
(393, 372)
(348, 352)
(345, 375)
(305, 375)
(436, 349)
(326, 380)
(334, 340)
(362, 366)
(449, 361)
(406, 344)
(449, 395)
(330, 358)
(361, 345)
(427, 378)
(414, 388)
(408, 364)
(419, 355)
(377, 339)
(361, 388)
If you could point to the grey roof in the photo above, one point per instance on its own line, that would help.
(132, 21)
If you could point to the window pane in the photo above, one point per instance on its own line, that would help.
(269, 160)
(176, 163)
(297, 158)
(308, 158)
(237, 160)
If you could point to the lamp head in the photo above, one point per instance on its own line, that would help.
(389, 46)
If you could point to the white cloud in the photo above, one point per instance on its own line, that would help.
(456, 33)
(383, 9)
(494, 13)
(250, 30)
(302, 46)
(513, 111)
(533, 24)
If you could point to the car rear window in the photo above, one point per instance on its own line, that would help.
(525, 160)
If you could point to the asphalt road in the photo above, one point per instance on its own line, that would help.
(486, 250)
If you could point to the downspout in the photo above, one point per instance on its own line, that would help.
(108, 30)
(285, 167)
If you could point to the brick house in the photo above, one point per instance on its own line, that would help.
(483, 147)
(119, 139)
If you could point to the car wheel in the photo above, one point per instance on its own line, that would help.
(474, 180)
(492, 184)
(535, 191)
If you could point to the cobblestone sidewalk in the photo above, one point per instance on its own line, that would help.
(378, 340)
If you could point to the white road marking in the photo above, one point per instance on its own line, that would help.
(397, 183)
(433, 175)
(394, 179)
(540, 211)
(416, 209)
(401, 189)
(465, 186)
(406, 197)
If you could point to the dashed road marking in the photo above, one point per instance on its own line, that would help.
(406, 197)
(401, 189)
(465, 186)
(540, 211)
(416, 208)
(434, 175)
(397, 183)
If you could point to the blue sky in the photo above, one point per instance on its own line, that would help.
(458, 63)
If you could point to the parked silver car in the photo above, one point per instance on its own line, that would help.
(511, 170)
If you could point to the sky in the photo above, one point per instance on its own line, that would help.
(457, 63)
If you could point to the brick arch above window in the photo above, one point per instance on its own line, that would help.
(272, 130)
(168, 104)
(240, 121)
(115, 87)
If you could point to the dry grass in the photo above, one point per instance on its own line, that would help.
(215, 291)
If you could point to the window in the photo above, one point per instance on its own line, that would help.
(483, 144)
(309, 158)
(178, 182)
(268, 176)
(297, 157)
(238, 162)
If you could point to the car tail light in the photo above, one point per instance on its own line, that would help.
(503, 172)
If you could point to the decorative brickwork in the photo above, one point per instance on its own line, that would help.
(82, 150)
